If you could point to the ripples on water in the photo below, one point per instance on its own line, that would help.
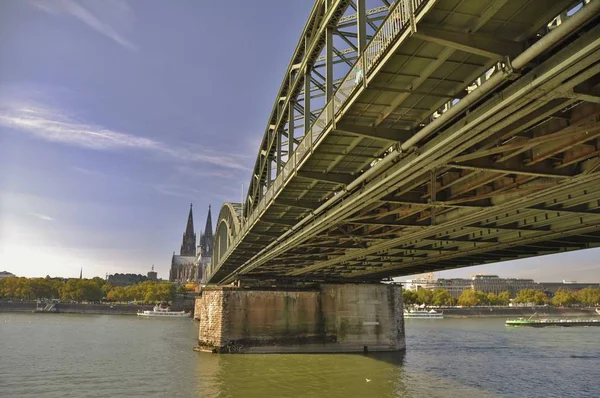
(48, 355)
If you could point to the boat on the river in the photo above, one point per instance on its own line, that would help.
(164, 312)
(423, 314)
(540, 323)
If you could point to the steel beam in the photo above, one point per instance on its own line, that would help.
(486, 166)
(378, 133)
(277, 220)
(326, 177)
(302, 204)
(474, 43)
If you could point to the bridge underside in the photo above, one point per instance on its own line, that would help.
(513, 174)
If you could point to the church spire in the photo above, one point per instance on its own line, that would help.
(188, 246)
(207, 238)
(208, 227)
(189, 229)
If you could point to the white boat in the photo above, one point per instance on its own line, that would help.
(164, 312)
(423, 314)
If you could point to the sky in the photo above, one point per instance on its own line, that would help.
(116, 115)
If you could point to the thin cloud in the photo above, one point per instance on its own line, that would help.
(88, 172)
(176, 190)
(55, 126)
(185, 154)
(42, 216)
(90, 18)
(186, 170)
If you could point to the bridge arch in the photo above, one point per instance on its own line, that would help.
(228, 227)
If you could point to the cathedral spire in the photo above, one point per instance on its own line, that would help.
(189, 229)
(208, 227)
(207, 238)
(188, 246)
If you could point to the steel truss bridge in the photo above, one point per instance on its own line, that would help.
(423, 135)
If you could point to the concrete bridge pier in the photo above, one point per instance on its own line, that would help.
(325, 318)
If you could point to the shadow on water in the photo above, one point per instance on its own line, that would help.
(302, 375)
(395, 358)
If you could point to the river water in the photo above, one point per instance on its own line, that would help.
(50, 355)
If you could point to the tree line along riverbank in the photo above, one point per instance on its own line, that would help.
(472, 298)
(90, 290)
(515, 312)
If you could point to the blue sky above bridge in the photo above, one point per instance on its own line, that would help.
(115, 115)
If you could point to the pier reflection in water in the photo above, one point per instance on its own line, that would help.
(48, 355)
(340, 375)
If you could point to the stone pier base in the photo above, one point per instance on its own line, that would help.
(330, 318)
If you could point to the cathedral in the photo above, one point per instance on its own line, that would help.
(187, 267)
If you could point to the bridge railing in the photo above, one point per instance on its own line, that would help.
(401, 16)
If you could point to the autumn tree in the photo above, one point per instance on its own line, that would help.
(424, 296)
(81, 290)
(105, 289)
(43, 288)
(536, 297)
(469, 298)
(589, 296)
(441, 297)
(117, 294)
(409, 297)
(492, 298)
(565, 298)
(92, 290)
(504, 298)
(98, 281)
(17, 288)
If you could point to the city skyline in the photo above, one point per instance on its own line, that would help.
(114, 116)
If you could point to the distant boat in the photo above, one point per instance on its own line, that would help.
(423, 314)
(598, 311)
(540, 323)
(164, 312)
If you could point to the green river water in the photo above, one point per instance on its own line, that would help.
(49, 355)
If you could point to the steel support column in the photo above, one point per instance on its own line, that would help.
(279, 144)
(329, 69)
(307, 121)
(361, 25)
(269, 168)
(291, 130)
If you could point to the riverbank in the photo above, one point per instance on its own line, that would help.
(475, 312)
(76, 308)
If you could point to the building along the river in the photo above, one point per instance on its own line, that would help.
(552, 287)
(126, 279)
(6, 274)
(483, 283)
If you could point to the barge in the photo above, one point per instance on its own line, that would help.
(540, 323)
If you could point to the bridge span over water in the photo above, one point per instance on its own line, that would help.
(422, 135)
